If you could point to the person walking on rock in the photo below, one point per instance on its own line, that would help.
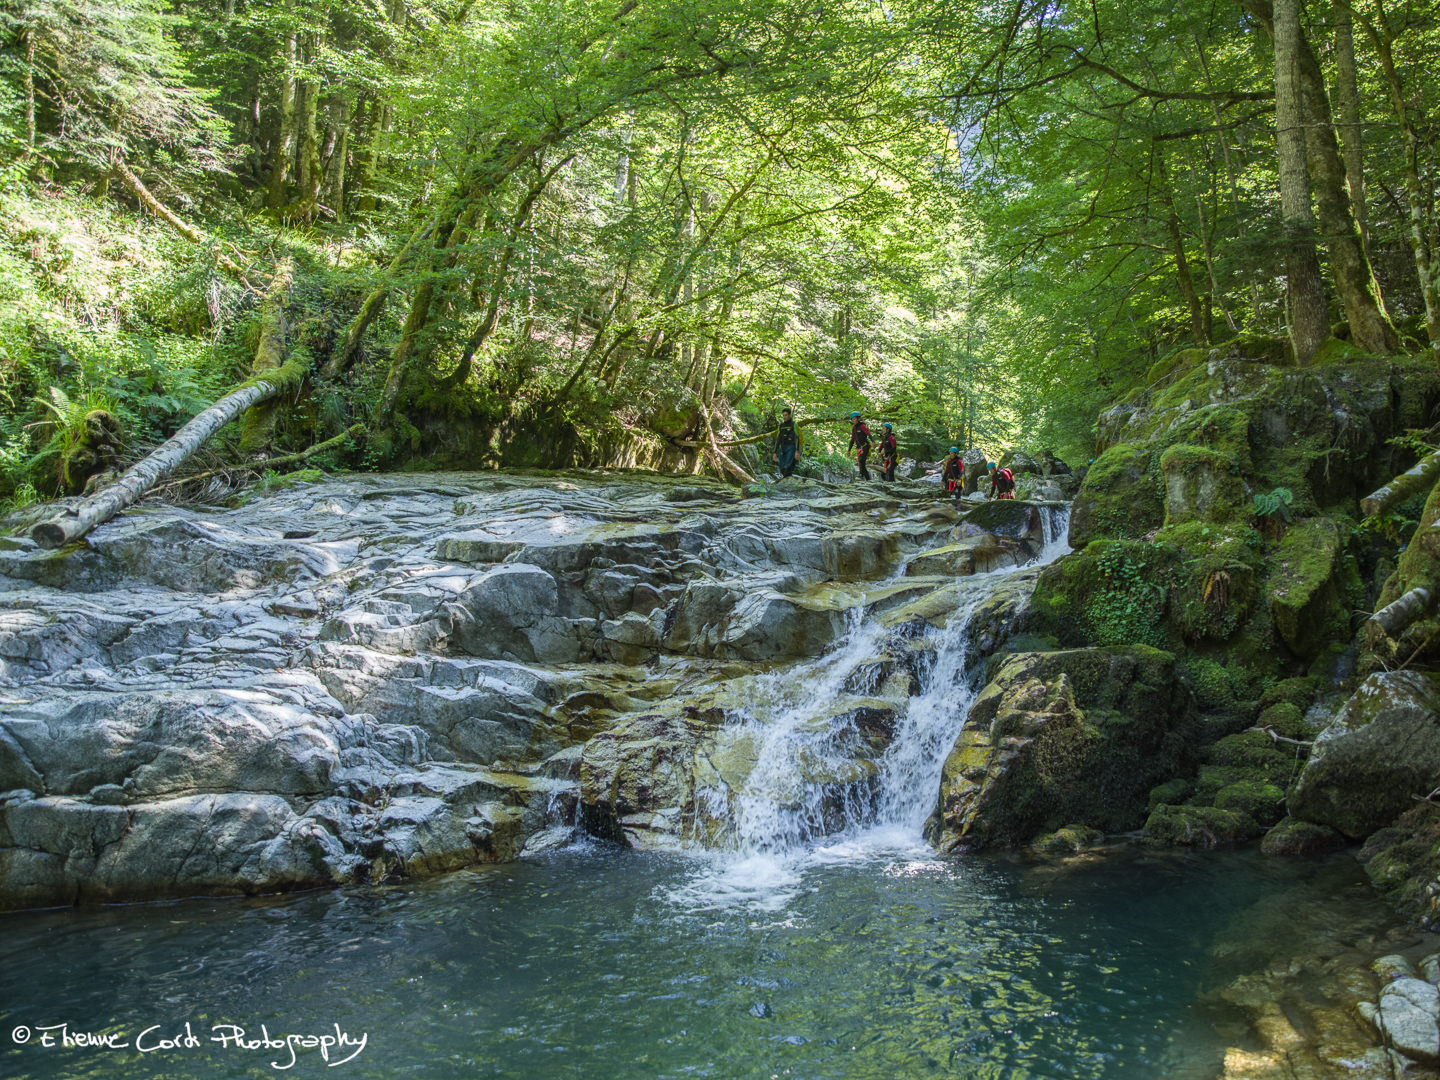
(952, 472)
(889, 453)
(860, 443)
(789, 444)
(1002, 482)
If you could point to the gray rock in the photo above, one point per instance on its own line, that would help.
(1382, 748)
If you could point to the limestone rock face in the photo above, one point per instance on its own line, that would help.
(373, 677)
(1381, 750)
(1065, 738)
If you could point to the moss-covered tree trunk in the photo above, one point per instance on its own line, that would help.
(259, 426)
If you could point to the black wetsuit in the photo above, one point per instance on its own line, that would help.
(889, 452)
(860, 442)
(787, 446)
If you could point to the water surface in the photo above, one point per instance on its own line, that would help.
(604, 963)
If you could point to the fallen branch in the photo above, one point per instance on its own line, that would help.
(354, 431)
(1281, 738)
(1395, 617)
(156, 207)
(1422, 477)
(75, 522)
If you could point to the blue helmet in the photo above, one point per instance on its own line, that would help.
(854, 416)
(890, 426)
(954, 449)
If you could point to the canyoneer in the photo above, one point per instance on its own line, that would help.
(789, 444)
(860, 443)
(889, 453)
(1002, 482)
(952, 472)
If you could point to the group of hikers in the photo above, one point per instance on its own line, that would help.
(790, 446)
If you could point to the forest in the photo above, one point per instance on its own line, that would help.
(626, 232)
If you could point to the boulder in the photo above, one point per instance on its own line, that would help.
(975, 462)
(972, 555)
(1381, 750)
(1303, 592)
(1060, 738)
(1300, 838)
(1200, 826)
(1118, 499)
(1019, 463)
(1009, 518)
(1405, 1019)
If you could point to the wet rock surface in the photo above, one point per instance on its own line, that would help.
(377, 676)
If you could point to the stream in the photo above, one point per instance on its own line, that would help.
(809, 931)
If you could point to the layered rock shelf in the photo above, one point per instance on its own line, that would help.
(380, 676)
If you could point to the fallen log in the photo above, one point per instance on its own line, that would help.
(75, 522)
(354, 431)
(259, 426)
(1422, 477)
(165, 214)
(691, 444)
(1395, 617)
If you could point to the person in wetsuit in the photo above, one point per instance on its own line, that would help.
(1002, 482)
(789, 444)
(889, 453)
(860, 443)
(952, 472)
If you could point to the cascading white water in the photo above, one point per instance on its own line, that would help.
(801, 788)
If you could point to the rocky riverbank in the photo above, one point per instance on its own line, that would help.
(376, 676)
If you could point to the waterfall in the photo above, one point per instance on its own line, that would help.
(788, 784)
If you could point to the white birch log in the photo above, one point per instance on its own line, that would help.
(1393, 618)
(1422, 477)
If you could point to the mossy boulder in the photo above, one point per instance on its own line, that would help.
(1216, 585)
(1078, 735)
(1202, 484)
(1120, 497)
(1403, 863)
(1071, 840)
(1200, 826)
(1263, 802)
(1304, 592)
(1380, 752)
(1291, 837)
(1115, 592)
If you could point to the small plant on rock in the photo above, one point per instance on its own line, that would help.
(1273, 510)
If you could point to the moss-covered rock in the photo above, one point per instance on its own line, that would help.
(1380, 752)
(1202, 484)
(1304, 593)
(1217, 580)
(1120, 497)
(1291, 837)
(1114, 592)
(1079, 735)
(1264, 802)
(1403, 862)
(1071, 840)
(1200, 826)
(1172, 791)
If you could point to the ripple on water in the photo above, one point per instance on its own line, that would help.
(616, 964)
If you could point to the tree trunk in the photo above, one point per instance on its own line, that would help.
(1348, 99)
(1182, 263)
(333, 193)
(1427, 264)
(415, 322)
(78, 520)
(1310, 324)
(309, 172)
(259, 427)
(284, 148)
(1370, 326)
(1395, 617)
(374, 303)
(29, 91)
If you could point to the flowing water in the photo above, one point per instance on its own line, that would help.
(817, 937)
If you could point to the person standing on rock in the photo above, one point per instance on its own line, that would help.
(1002, 482)
(889, 453)
(789, 444)
(860, 443)
(952, 472)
